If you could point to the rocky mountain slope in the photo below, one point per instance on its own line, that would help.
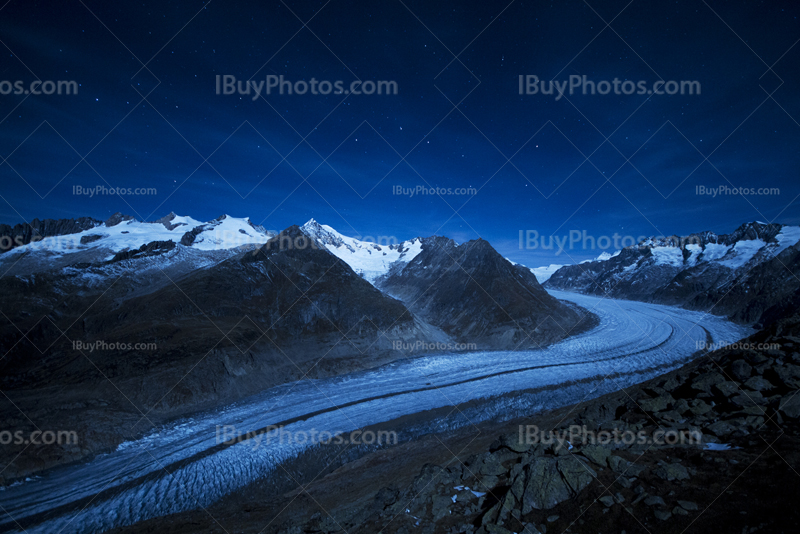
(23, 234)
(241, 321)
(477, 296)
(740, 275)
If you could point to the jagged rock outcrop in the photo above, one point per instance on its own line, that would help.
(477, 296)
(24, 233)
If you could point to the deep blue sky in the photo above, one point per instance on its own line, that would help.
(362, 146)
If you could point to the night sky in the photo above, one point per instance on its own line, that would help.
(147, 115)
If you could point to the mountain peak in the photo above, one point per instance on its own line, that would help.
(117, 218)
(166, 220)
(755, 230)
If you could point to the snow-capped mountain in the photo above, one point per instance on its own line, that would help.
(53, 244)
(49, 244)
(603, 257)
(543, 273)
(739, 274)
(368, 259)
(122, 232)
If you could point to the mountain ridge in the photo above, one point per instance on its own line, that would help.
(705, 271)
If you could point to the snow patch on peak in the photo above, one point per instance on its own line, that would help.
(543, 274)
(228, 232)
(368, 259)
(788, 236)
(604, 256)
(742, 252)
(672, 256)
(119, 234)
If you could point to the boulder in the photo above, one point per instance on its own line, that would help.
(741, 370)
(518, 486)
(544, 487)
(576, 473)
(663, 516)
(669, 415)
(622, 466)
(758, 383)
(671, 384)
(496, 529)
(607, 500)
(674, 471)
(441, 506)
(790, 406)
(428, 475)
(656, 404)
(787, 374)
(597, 454)
(726, 388)
(513, 442)
(699, 407)
(748, 399)
(491, 466)
(721, 428)
(559, 447)
(755, 358)
(705, 381)
(682, 406)
(598, 413)
(654, 500)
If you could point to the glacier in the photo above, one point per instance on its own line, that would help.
(182, 466)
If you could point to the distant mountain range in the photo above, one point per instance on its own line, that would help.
(64, 242)
(230, 308)
(751, 275)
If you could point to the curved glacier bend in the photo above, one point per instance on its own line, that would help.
(183, 467)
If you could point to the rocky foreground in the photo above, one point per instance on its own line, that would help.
(725, 460)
